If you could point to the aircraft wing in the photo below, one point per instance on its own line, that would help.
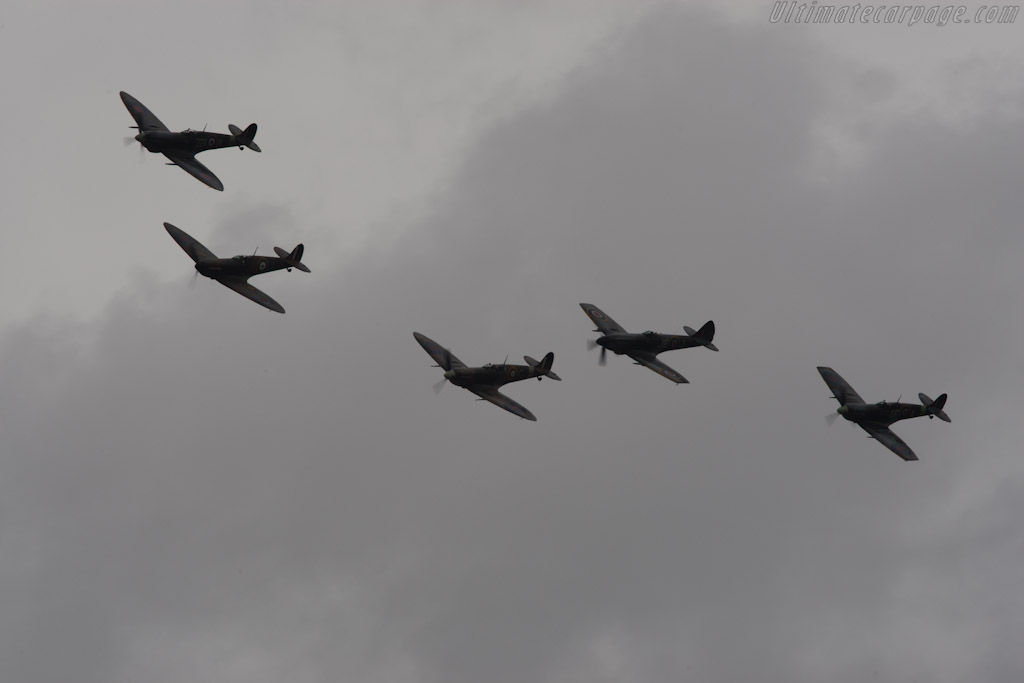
(841, 389)
(191, 245)
(188, 163)
(887, 438)
(443, 357)
(604, 324)
(650, 361)
(250, 292)
(502, 401)
(144, 118)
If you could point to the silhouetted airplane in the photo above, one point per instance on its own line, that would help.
(182, 148)
(643, 348)
(875, 418)
(484, 382)
(235, 272)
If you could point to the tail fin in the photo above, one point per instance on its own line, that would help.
(935, 407)
(544, 366)
(246, 136)
(293, 259)
(704, 335)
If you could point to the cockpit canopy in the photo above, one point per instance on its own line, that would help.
(649, 333)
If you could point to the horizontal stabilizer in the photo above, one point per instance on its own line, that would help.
(246, 136)
(293, 259)
(543, 366)
(704, 335)
(935, 407)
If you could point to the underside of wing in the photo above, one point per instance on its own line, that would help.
(144, 118)
(841, 389)
(442, 356)
(887, 438)
(604, 324)
(195, 169)
(502, 401)
(659, 367)
(191, 245)
(250, 292)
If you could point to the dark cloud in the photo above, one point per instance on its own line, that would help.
(193, 487)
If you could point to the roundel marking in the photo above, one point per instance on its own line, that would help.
(263, 265)
(597, 314)
(906, 411)
(512, 372)
(211, 142)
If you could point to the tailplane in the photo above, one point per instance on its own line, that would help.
(544, 366)
(704, 335)
(293, 259)
(934, 408)
(245, 137)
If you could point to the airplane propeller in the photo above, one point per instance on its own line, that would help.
(128, 140)
(831, 418)
(603, 358)
(192, 281)
(446, 367)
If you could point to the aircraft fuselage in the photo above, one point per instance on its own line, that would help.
(240, 266)
(881, 413)
(646, 342)
(188, 141)
(490, 375)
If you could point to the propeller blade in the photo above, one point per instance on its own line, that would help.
(603, 360)
(831, 418)
(192, 282)
(591, 345)
(439, 385)
(128, 139)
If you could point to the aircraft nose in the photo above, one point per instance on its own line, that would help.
(139, 137)
(449, 374)
(842, 410)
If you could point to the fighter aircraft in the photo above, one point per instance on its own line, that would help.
(484, 382)
(643, 348)
(235, 272)
(182, 148)
(875, 418)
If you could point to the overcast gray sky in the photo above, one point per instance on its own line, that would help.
(194, 488)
